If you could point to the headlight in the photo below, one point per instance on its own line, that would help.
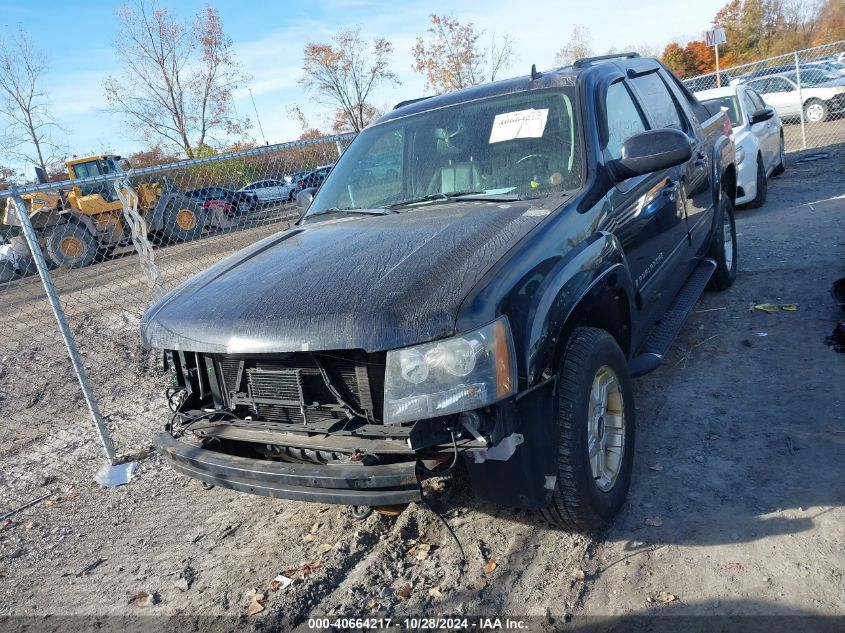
(449, 376)
(740, 155)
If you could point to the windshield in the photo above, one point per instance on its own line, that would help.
(525, 144)
(728, 103)
(813, 77)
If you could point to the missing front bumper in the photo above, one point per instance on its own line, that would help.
(349, 484)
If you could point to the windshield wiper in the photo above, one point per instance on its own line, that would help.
(433, 197)
(352, 211)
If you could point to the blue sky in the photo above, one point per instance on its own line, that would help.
(269, 37)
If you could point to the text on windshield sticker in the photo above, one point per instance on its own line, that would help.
(520, 124)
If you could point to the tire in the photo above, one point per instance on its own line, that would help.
(762, 185)
(183, 221)
(815, 111)
(582, 501)
(781, 166)
(71, 245)
(725, 274)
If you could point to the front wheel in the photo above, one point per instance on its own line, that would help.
(595, 420)
(762, 185)
(781, 166)
(815, 111)
(723, 246)
(183, 221)
(71, 245)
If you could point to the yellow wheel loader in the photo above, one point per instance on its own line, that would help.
(76, 226)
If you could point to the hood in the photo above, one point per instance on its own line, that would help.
(351, 282)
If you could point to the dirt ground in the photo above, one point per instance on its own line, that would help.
(736, 504)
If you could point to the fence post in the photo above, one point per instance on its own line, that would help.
(800, 102)
(120, 471)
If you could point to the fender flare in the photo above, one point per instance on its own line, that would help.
(572, 281)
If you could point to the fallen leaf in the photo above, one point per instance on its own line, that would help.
(490, 566)
(789, 307)
(145, 599)
(6, 524)
(656, 467)
(654, 521)
(479, 584)
(766, 307)
(665, 597)
(256, 600)
(29, 525)
(434, 592)
(73, 495)
(308, 538)
(325, 547)
(314, 528)
(579, 575)
(404, 591)
(324, 509)
(281, 582)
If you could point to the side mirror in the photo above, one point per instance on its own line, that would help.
(651, 151)
(762, 115)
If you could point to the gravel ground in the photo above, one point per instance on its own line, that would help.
(736, 504)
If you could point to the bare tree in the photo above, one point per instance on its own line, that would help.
(344, 72)
(178, 77)
(452, 56)
(579, 45)
(23, 102)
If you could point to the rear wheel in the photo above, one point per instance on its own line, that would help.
(595, 419)
(723, 246)
(815, 111)
(762, 185)
(781, 166)
(183, 221)
(71, 245)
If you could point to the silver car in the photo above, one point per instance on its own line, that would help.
(822, 95)
(271, 190)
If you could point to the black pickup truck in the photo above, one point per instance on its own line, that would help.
(539, 241)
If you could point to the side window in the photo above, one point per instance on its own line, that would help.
(757, 100)
(748, 104)
(779, 84)
(659, 105)
(623, 118)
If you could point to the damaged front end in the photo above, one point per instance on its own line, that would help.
(309, 426)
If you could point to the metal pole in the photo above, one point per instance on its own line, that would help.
(718, 78)
(339, 148)
(800, 102)
(67, 336)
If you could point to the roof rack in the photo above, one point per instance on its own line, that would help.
(410, 101)
(586, 61)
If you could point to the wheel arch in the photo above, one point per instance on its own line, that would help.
(580, 292)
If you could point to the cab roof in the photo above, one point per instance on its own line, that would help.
(559, 77)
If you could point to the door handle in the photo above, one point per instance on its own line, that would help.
(700, 159)
(670, 187)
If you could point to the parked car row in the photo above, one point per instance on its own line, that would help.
(757, 133)
(260, 192)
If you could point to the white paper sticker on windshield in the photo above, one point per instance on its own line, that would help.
(520, 124)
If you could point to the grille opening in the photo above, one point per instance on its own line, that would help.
(290, 389)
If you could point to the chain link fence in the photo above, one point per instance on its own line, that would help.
(92, 231)
(806, 88)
